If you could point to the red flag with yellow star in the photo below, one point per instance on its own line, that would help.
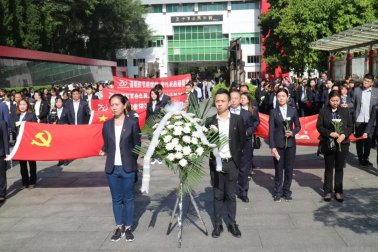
(47, 142)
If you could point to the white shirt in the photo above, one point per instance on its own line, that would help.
(52, 101)
(283, 110)
(8, 103)
(59, 112)
(117, 157)
(365, 106)
(274, 101)
(37, 106)
(224, 129)
(153, 105)
(76, 109)
(235, 110)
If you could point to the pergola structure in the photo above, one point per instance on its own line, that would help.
(357, 39)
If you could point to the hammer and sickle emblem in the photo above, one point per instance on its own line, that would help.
(43, 141)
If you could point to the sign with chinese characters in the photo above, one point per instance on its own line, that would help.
(167, 82)
(196, 18)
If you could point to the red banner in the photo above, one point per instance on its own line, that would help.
(307, 136)
(47, 142)
(166, 82)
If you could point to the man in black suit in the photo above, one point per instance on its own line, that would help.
(364, 99)
(4, 150)
(40, 108)
(246, 160)
(77, 111)
(191, 98)
(164, 99)
(224, 175)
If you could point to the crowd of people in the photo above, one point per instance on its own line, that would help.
(343, 109)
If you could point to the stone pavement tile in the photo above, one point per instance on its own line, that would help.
(298, 239)
(51, 223)
(82, 198)
(97, 223)
(8, 222)
(85, 210)
(262, 220)
(30, 211)
(15, 240)
(344, 249)
(294, 206)
(66, 240)
(359, 238)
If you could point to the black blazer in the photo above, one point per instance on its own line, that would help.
(324, 123)
(130, 138)
(94, 97)
(83, 112)
(43, 111)
(4, 143)
(165, 99)
(371, 127)
(151, 112)
(277, 137)
(248, 123)
(236, 140)
(54, 118)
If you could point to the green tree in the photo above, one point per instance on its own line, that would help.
(92, 28)
(291, 25)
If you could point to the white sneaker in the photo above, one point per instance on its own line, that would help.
(160, 161)
(153, 161)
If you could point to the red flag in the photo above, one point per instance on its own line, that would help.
(46, 142)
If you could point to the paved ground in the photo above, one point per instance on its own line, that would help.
(70, 210)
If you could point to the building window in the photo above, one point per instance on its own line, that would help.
(244, 5)
(122, 62)
(253, 59)
(157, 41)
(156, 8)
(247, 38)
(212, 6)
(137, 61)
(253, 75)
(180, 7)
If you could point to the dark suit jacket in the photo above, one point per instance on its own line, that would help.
(130, 138)
(29, 117)
(324, 123)
(43, 111)
(4, 113)
(83, 112)
(277, 137)
(94, 97)
(236, 138)
(151, 112)
(371, 127)
(165, 99)
(248, 122)
(54, 118)
(357, 96)
(4, 143)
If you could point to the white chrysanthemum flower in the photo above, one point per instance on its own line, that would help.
(191, 114)
(154, 142)
(170, 126)
(214, 128)
(179, 155)
(169, 146)
(177, 117)
(194, 140)
(186, 139)
(204, 129)
(155, 126)
(200, 151)
(186, 130)
(171, 157)
(186, 150)
(178, 123)
(288, 118)
(164, 132)
(183, 162)
(197, 119)
(177, 132)
(336, 120)
(175, 141)
(178, 147)
(167, 138)
(195, 134)
(188, 124)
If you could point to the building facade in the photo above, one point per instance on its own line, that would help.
(196, 33)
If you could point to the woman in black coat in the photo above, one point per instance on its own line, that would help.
(334, 159)
(153, 105)
(283, 126)
(29, 178)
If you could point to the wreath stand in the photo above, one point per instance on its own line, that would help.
(178, 206)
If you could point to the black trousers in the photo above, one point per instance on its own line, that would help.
(363, 146)
(245, 169)
(335, 161)
(3, 177)
(224, 186)
(284, 171)
(26, 178)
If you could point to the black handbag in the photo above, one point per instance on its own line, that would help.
(256, 144)
(326, 145)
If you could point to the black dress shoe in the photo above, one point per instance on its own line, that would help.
(60, 163)
(234, 230)
(2, 199)
(339, 197)
(244, 198)
(218, 229)
(367, 162)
